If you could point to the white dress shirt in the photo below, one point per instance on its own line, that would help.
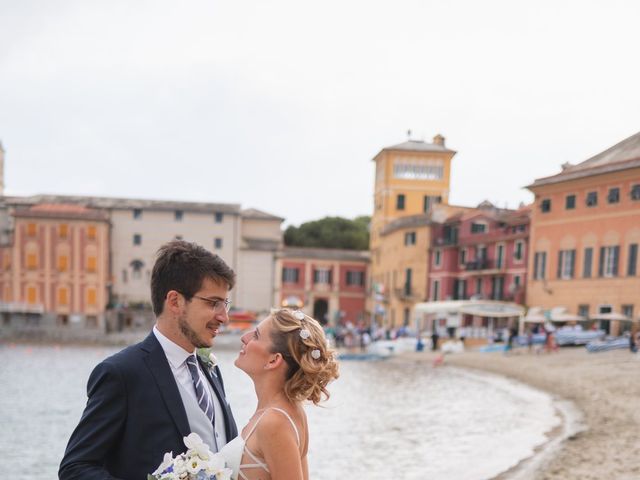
(177, 356)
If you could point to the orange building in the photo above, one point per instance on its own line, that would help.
(55, 268)
(585, 232)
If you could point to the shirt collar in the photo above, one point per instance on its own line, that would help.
(174, 352)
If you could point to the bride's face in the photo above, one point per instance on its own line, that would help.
(256, 348)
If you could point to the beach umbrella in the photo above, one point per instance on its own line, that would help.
(534, 315)
(560, 314)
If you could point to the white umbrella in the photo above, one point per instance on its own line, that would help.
(568, 317)
(534, 315)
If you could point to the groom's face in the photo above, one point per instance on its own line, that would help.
(200, 321)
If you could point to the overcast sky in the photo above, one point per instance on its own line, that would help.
(281, 105)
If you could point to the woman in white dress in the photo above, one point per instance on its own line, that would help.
(289, 361)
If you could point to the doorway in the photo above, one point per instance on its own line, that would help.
(321, 310)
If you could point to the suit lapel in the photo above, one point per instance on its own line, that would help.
(159, 366)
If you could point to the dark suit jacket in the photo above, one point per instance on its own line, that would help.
(134, 415)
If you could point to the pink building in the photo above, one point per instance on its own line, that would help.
(481, 254)
(56, 265)
(328, 284)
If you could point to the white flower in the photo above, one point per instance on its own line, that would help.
(213, 360)
(179, 466)
(315, 354)
(215, 464)
(304, 333)
(224, 474)
(166, 463)
(298, 314)
(195, 464)
(195, 443)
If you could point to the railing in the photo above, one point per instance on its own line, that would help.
(404, 293)
(482, 264)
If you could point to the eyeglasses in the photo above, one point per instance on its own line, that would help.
(218, 306)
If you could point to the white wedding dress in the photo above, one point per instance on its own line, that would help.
(233, 452)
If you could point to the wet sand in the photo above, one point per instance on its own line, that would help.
(605, 388)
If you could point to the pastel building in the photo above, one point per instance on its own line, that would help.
(56, 265)
(246, 239)
(480, 253)
(411, 186)
(585, 233)
(328, 284)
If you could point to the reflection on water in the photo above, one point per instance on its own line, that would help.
(384, 419)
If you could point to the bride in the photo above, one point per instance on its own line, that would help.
(289, 361)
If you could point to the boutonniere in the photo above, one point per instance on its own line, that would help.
(208, 359)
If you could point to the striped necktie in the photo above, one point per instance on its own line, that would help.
(202, 392)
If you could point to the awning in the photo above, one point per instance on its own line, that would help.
(292, 302)
(242, 315)
(470, 307)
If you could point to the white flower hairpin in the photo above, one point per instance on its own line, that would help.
(315, 354)
(304, 333)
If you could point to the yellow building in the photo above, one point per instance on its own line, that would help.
(411, 184)
(585, 232)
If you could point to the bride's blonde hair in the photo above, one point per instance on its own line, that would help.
(311, 363)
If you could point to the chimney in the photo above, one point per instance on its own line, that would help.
(438, 140)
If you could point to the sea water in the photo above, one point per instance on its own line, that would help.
(385, 419)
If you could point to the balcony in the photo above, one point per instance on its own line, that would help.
(405, 294)
(484, 266)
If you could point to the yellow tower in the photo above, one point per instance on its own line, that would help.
(411, 178)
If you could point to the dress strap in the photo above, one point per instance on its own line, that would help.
(295, 429)
(253, 428)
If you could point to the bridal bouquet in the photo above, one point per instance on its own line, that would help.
(197, 463)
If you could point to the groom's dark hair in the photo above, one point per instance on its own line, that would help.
(182, 266)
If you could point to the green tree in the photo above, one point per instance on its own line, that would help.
(330, 232)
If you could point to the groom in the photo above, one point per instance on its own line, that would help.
(145, 399)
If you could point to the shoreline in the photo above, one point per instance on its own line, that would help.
(595, 396)
(79, 338)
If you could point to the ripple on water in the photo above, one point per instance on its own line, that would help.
(384, 419)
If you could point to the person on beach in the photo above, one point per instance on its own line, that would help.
(145, 399)
(289, 361)
(434, 339)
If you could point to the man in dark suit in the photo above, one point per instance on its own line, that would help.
(143, 400)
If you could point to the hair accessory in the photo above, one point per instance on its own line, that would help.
(298, 314)
(315, 354)
(304, 333)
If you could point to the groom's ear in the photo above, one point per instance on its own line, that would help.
(173, 301)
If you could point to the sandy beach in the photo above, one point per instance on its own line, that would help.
(605, 388)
